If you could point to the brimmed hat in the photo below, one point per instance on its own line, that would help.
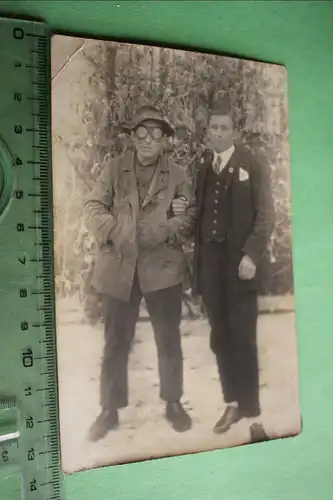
(149, 113)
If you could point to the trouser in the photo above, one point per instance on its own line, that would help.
(164, 308)
(233, 320)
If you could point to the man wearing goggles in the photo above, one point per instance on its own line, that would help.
(141, 255)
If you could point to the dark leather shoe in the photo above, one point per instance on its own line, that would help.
(229, 417)
(105, 422)
(178, 417)
(258, 433)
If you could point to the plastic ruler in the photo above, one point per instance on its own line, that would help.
(29, 437)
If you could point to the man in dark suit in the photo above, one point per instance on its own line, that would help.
(140, 255)
(233, 226)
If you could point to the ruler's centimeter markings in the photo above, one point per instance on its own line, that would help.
(24, 52)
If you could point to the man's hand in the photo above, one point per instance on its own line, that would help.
(179, 206)
(247, 268)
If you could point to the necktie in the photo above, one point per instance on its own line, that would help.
(217, 165)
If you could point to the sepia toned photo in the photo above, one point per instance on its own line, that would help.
(175, 317)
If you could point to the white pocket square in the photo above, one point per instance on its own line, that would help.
(243, 175)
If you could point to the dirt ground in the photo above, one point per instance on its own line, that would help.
(144, 433)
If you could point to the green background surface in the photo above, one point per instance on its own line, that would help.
(299, 35)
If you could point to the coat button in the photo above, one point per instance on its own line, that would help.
(214, 232)
(231, 169)
(215, 201)
(214, 221)
(217, 191)
(215, 211)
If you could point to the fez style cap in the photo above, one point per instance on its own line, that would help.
(220, 106)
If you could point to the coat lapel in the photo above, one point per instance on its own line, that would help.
(206, 162)
(130, 186)
(159, 181)
(232, 168)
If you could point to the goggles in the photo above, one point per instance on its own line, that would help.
(142, 131)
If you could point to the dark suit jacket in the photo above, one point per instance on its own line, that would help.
(249, 214)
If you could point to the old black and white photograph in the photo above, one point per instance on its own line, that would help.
(175, 312)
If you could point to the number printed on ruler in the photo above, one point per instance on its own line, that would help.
(24, 58)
